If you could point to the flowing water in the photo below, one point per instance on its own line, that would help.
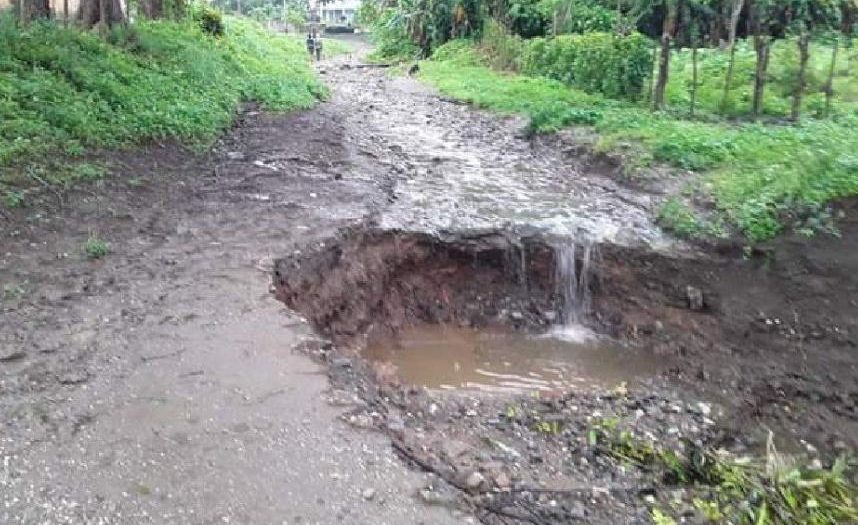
(445, 357)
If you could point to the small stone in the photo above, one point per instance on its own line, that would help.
(658, 327)
(649, 499)
(704, 408)
(475, 481)
(235, 155)
(695, 298)
(502, 480)
(11, 355)
(368, 494)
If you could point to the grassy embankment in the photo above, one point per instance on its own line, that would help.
(63, 91)
(761, 177)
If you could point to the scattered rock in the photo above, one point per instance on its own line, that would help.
(475, 481)
(11, 355)
(368, 494)
(502, 481)
(695, 298)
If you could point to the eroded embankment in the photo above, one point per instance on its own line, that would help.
(383, 279)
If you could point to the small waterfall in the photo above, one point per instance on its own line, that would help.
(573, 283)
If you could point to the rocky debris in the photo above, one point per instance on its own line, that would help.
(694, 297)
(475, 482)
(368, 494)
(10, 354)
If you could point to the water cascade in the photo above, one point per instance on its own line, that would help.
(573, 285)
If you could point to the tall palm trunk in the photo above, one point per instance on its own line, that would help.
(804, 54)
(728, 80)
(761, 46)
(829, 84)
(104, 13)
(664, 58)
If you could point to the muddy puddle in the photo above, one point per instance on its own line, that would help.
(497, 360)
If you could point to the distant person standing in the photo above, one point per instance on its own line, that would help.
(311, 44)
(318, 48)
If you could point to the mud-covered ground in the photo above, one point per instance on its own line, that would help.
(160, 383)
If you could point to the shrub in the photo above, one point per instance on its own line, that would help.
(613, 65)
(96, 248)
(526, 18)
(501, 49)
(579, 16)
(211, 21)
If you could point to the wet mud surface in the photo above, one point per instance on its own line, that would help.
(164, 383)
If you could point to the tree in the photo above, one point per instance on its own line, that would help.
(760, 12)
(801, 83)
(33, 9)
(728, 79)
(668, 28)
(102, 13)
(152, 9)
(829, 82)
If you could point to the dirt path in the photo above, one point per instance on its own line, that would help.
(157, 385)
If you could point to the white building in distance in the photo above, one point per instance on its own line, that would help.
(336, 13)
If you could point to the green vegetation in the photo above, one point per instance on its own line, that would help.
(776, 490)
(759, 176)
(615, 66)
(65, 90)
(95, 248)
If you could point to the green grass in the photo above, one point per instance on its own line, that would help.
(759, 176)
(772, 490)
(63, 91)
(96, 248)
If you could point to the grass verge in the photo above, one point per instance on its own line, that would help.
(63, 91)
(760, 177)
(774, 490)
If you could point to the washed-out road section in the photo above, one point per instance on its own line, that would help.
(158, 384)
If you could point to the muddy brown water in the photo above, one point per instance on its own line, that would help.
(499, 360)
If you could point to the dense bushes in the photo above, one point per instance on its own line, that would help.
(578, 16)
(411, 28)
(527, 18)
(615, 66)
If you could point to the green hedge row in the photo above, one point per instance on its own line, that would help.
(613, 65)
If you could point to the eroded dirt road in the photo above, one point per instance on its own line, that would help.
(159, 384)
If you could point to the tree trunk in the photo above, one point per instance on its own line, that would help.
(693, 77)
(734, 21)
(761, 46)
(803, 45)
(66, 13)
(650, 85)
(849, 17)
(664, 58)
(829, 84)
(100, 12)
(152, 9)
(728, 79)
(33, 9)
